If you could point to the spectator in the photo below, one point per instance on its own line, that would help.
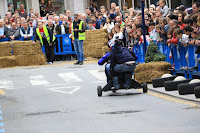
(30, 12)
(163, 8)
(7, 22)
(119, 21)
(89, 13)
(26, 31)
(4, 31)
(152, 31)
(152, 8)
(78, 31)
(118, 11)
(51, 26)
(14, 31)
(101, 19)
(113, 6)
(112, 14)
(68, 14)
(95, 22)
(181, 20)
(90, 26)
(47, 39)
(125, 9)
(118, 34)
(63, 28)
(43, 10)
(103, 11)
(109, 25)
(50, 7)
(18, 25)
(22, 11)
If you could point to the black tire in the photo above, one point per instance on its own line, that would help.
(197, 91)
(99, 91)
(145, 87)
(173, 85)
(159, 82)
(187, 88)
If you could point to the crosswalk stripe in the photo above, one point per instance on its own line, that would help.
(5, 84)
(99, 75)
(38, 80)
(70, 77)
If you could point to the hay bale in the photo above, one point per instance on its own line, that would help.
(7, 61)
(26, 60)
(148, 76)
(5, 49)
(157, 66)
(146, 72)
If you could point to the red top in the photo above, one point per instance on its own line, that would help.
(22, 11)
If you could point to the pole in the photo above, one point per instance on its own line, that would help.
(143, 27)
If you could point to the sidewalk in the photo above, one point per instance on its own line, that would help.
(174, 94)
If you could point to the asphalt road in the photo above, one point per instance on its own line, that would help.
(62, 99)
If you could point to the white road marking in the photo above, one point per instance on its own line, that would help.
(58, 89)
(38, 80)
(99, 75)
(70, 77)
(6, 84)
(54, 85)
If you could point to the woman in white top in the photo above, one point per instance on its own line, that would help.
(108, 25)
(118, 34)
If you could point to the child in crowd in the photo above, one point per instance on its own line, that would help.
(169, 36)
(152, 31)
(164, 28)
(158, 31)
(90, 26)
(31, 12)
(140, 36)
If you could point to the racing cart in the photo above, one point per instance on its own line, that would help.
(110, 87)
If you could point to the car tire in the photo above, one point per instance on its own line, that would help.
(173, 85)
(99, 91)
(159, 82)
(145, 87)
(197, 91)
(187, 88)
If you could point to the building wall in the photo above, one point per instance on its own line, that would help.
(3, 8)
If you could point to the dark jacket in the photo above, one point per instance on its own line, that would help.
(7, 32)
(58, 28)
(76, 26)
(23, 15)
(120, 55)
(96, 24)
(36, 37)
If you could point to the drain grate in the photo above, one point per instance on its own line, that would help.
(123, 112)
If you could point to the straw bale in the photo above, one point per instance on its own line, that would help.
(7, 61)
(148, 76)
(157, 66)
(26, 60)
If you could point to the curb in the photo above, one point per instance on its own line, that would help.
(179, 97)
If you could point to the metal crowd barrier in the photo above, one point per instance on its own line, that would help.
(63, 44)
(175, 54)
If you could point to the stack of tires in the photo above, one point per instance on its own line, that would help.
(180, 83)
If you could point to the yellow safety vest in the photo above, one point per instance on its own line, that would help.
(81, 36)
(46, 34)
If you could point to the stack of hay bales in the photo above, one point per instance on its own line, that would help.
(28, 54)
(95, 44)
(146, 72)
(6, 57)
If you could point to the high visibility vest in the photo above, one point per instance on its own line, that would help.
(81, 36)
(46, 34)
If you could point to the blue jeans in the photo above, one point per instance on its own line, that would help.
(107, 71)
(123, 68)
(78, 46)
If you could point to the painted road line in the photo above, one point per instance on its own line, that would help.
(1, 124)
(99, 75)
(55, 85)
(60, 89)
(6, 84)
(170, 98)
(38, 80)
(70, 77)
(2, 92)
(1, 118)
(2, 130)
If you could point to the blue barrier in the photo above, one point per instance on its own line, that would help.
(64, 45)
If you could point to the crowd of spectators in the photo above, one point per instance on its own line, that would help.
(169, 26)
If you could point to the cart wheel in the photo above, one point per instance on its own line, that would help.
(145, 88)
(99, 91)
